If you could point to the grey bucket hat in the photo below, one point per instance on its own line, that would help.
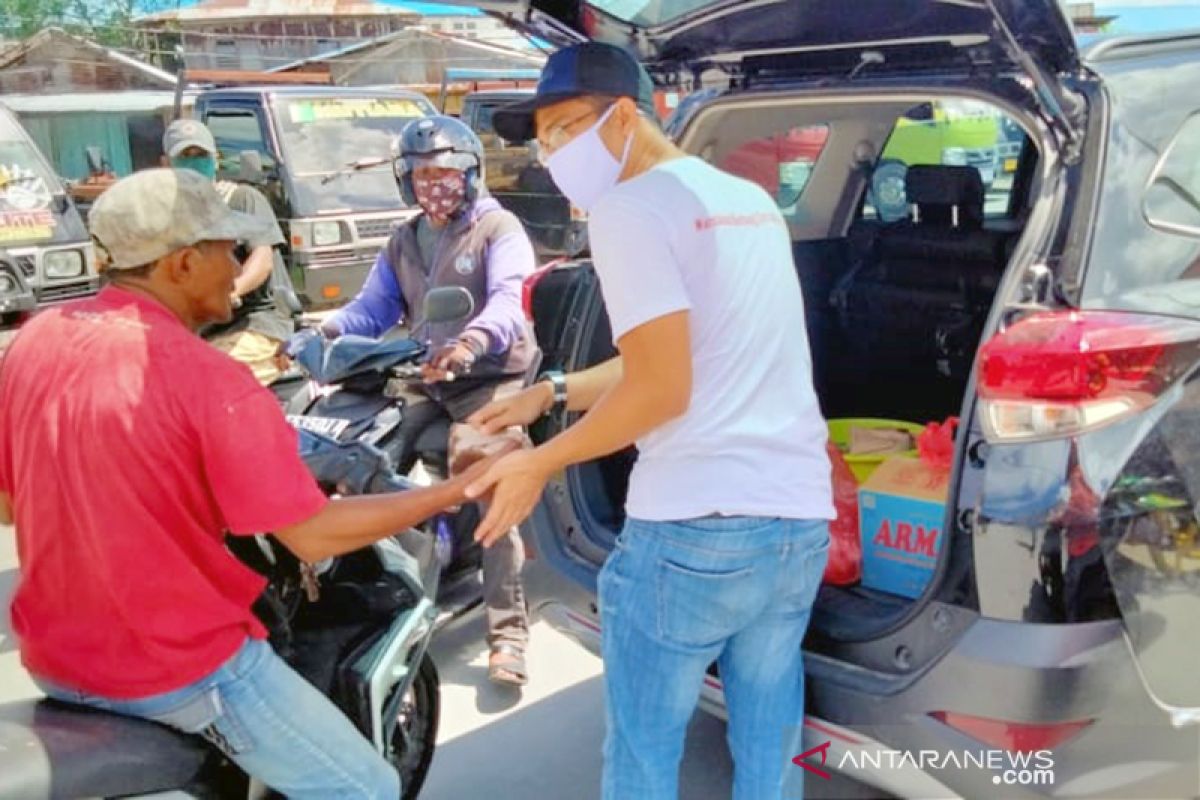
(155, 212)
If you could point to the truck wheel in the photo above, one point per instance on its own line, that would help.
(887, 192)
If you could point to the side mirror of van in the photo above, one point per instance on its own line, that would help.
(286, 301)
(95, 160)
(448, 304)
(920, 113)
(251, 169)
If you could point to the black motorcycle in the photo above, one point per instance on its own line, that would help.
(349, 390)
(357, 627)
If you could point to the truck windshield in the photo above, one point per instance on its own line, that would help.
(31, 197)
(320, 136)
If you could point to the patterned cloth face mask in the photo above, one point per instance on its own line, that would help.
(443, 197)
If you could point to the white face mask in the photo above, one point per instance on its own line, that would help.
(584, 169)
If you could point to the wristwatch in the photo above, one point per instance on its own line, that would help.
(558, 381)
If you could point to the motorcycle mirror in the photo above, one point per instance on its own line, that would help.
(95, 160)
(448, 304)
(251, 169)
(286, 301)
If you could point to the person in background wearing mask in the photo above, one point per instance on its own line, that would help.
(462, 238)
(726, 529)
(259, 326)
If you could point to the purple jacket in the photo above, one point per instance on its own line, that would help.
(499, 243)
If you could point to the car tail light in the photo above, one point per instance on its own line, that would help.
(530, 283)
(1015, 737)
(1060, 373)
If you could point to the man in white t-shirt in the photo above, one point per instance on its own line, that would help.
(726, 534)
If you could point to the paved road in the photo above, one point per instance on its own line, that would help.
(541, 743)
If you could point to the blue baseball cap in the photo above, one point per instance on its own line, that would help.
(591, 68)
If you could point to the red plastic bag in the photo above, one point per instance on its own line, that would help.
(935, 444)
(845, 546)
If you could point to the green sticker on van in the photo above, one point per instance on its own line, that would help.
(317, 110)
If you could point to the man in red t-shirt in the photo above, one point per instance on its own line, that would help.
(128, 448)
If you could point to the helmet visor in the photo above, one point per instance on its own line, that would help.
(446, 159)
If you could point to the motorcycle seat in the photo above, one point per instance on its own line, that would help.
(55, 750)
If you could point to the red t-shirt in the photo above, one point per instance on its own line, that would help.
(129, 447)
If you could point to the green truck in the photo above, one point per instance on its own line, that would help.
(951, 132)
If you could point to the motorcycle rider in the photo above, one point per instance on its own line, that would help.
(462, 238)
(258, 327)
(128, 448)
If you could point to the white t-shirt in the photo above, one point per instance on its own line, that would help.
(687, 236)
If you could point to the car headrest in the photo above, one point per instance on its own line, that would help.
(937, 191)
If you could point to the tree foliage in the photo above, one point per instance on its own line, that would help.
(108, 22)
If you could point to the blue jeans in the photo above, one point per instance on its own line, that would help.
(271, 722)
(674, 598)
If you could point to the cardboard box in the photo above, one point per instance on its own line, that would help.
(901, 510)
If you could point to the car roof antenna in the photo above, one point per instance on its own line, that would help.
(867, 58)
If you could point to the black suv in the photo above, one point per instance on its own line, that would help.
(1056, 312)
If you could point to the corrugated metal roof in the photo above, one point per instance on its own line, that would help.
(49, 35)
(381, 43)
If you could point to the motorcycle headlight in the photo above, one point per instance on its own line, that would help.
(63, 264)
(326, 233)
(954, 157)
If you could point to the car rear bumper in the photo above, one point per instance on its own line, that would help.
(1005, 671)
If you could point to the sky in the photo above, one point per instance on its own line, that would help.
(1134, 16)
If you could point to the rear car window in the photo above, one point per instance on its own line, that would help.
(483, 119)
(1145, 255)
(948, 132)
(781, 164)
(1172, 200)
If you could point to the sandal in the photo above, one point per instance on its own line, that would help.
(506, 666)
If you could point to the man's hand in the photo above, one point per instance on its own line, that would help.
(479, 467)
(449, 362)
(516, 483)
(520, 409)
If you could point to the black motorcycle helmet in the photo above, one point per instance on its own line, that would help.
(438, 142)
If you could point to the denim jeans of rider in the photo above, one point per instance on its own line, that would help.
(676, 597)
(271, 722)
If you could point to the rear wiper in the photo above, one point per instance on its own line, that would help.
(355, 166)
